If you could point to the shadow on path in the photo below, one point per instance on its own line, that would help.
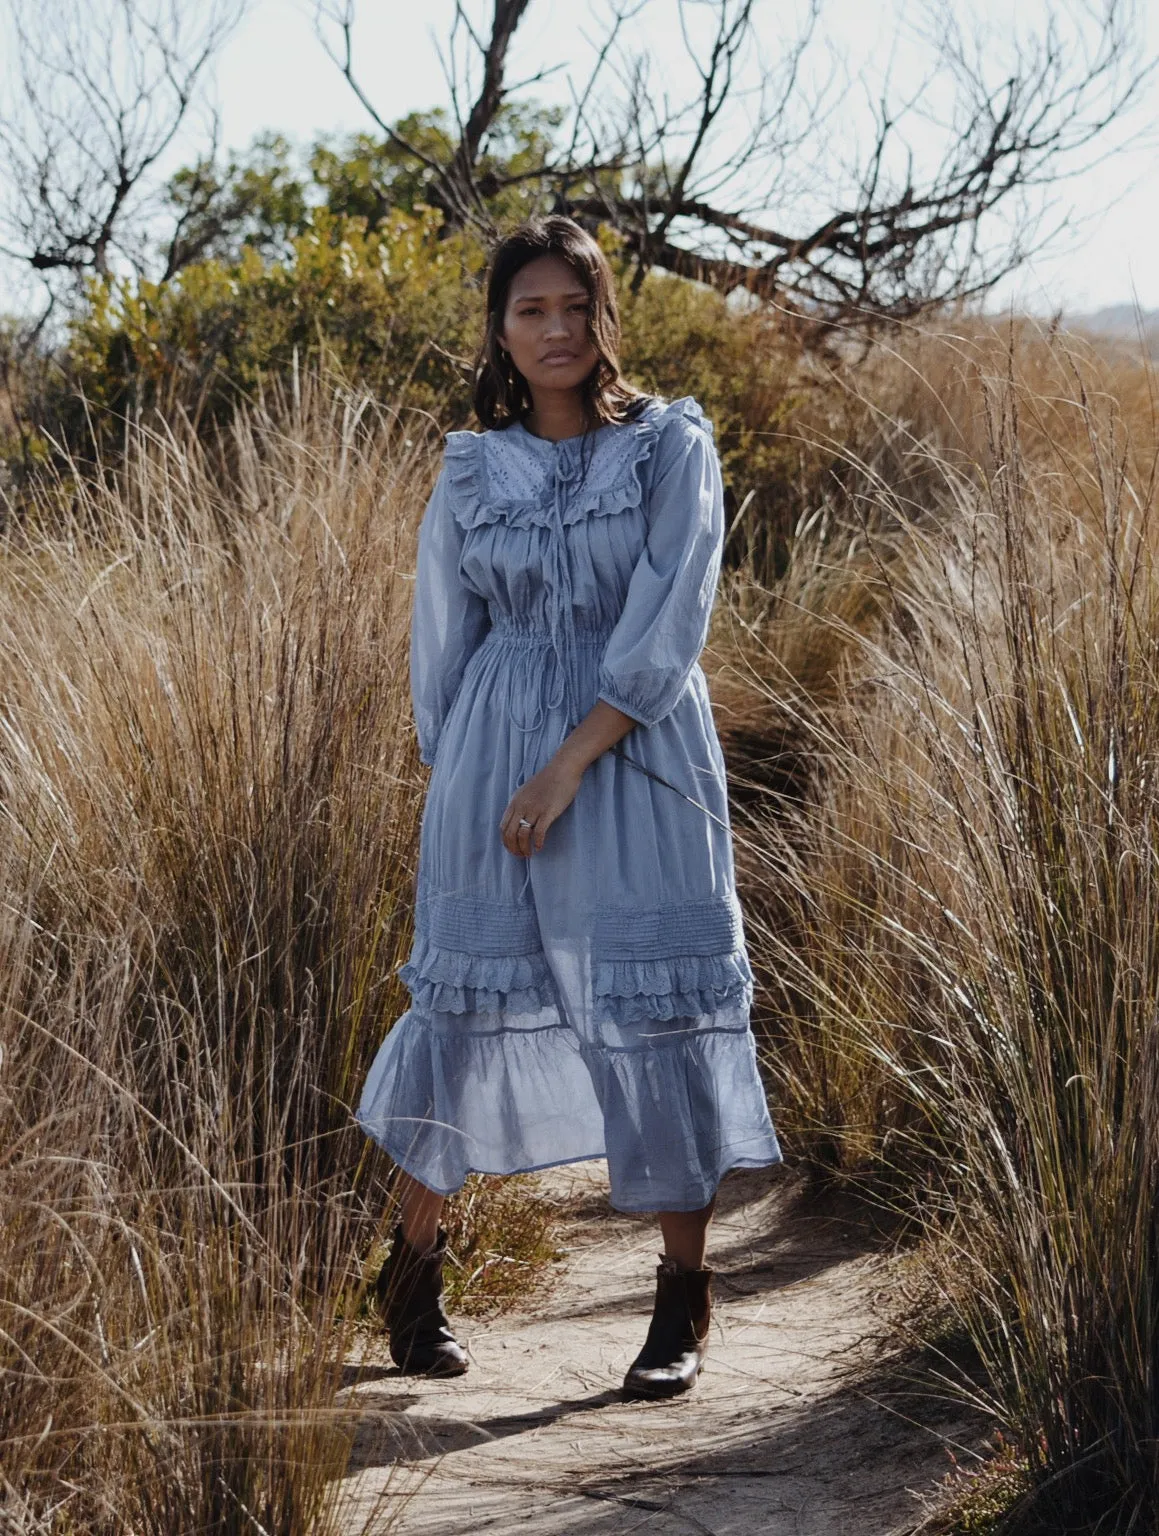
(802, 1425)
(415, 1438)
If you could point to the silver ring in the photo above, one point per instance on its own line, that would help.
(523, 822)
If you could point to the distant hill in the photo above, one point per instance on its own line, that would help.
(1119, 322)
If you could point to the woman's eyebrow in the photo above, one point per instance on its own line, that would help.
(527, 298)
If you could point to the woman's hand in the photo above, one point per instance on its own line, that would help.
(553, 788)
(544, 797)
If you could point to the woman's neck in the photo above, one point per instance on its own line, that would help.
(556, 414)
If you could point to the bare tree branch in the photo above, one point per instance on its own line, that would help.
(454, 187)
(906, 233)
(101, 91)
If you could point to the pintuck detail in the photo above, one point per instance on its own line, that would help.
(481, 924)
(475, 955)
(711, 927)
(681, 960)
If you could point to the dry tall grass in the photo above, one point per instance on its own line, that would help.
(940, 725)
(958, 923)
(209, 797)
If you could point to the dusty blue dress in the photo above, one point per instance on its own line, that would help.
(591, 999)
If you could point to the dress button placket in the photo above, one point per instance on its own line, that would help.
(559, 585)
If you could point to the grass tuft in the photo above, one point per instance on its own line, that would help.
(956, 912)
(211, 798)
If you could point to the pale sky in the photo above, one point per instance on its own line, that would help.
(274, 74)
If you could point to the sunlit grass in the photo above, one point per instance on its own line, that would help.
(957, 921)
(940, 726)
(210, 796)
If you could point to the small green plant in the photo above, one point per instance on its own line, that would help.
(501, 1245)
(502, 1240)
(977, 1498)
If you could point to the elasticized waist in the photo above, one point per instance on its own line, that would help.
(535, 691)
(528, 632)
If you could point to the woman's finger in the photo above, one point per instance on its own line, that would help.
(541, 825)
(520, 839)
(523, 831)
(509, 826)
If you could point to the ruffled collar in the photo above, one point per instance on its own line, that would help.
(512, 476)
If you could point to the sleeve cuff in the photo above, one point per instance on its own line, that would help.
(625, 706)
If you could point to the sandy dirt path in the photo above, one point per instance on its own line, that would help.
(797, 1426)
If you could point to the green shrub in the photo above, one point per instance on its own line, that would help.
(395, 309)
(681, 338)
(391, 307)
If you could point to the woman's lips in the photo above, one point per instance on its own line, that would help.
(559, 357)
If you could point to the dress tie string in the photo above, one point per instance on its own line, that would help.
(559, 595)
(560, 606)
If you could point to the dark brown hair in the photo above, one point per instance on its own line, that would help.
(502, 395)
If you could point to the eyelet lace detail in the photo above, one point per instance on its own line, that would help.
(672, 962)
(679, 987)
(455, 981)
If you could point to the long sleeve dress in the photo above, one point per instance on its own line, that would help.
(591, 999)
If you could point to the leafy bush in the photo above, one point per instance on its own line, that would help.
(396, 310)
(391, 308)
(681, 338)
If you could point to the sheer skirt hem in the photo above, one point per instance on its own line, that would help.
(670, 1118)
(694, 1203)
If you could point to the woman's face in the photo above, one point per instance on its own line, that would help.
(545, 325)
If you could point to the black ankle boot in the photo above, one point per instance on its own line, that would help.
(409, 1298)
(677, 1338)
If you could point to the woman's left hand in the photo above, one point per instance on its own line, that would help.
(544, 797)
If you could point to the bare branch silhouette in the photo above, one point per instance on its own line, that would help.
(100, 92)
(1010, 116)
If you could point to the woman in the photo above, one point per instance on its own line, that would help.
(579, 981)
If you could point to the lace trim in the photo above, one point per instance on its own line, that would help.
(474, 503)
(682, 986)
(455, 981)
(623, 991)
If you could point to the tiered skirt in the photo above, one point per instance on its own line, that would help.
(560, 1008)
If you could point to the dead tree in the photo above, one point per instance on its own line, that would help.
(901, 237)
(99, 91)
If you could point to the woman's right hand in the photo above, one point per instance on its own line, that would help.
(542, 800)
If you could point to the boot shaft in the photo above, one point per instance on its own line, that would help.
(410, 1301)
(681, 1313)
(410, 1284)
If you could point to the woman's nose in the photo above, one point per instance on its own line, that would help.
(556, 324)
